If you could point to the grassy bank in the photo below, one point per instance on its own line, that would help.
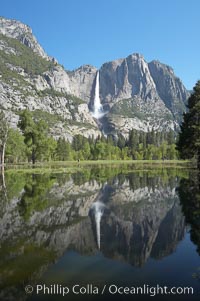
(73, 166)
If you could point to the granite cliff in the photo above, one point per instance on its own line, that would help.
(134, 93)
(30, 79)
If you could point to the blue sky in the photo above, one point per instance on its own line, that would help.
(78, 32)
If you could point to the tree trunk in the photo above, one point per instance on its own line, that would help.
(3, 154)
(198, 167)
(198, 160)
(33, 157)
(3, 177)
(3, 182)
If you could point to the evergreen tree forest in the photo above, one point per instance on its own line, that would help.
(188, 143)
(32, 143)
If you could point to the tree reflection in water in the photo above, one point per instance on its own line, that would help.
(189, 193)
(42, 216)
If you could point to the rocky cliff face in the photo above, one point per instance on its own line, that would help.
(134, 77)
(169, 88)
(134, 93)
(29, 79)
(82, 82)
(125, 78)
(142, 95)
(23, 33)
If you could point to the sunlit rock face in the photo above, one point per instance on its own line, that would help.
(142, 95)
(82, 82)
(125, 78)
(17, 30)
(131, 93)
(38, 82)
(169, 87)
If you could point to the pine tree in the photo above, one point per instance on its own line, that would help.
(188, 143)
(121, 142)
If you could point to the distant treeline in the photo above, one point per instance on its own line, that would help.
(32, 143)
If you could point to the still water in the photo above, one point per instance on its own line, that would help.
(100, 228)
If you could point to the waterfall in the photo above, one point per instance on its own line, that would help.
(98, 216)
(98, 210)
(97, 107)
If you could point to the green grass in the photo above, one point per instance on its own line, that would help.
(74, 166)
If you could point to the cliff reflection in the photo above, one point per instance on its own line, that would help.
(142, 222)
(44, 215)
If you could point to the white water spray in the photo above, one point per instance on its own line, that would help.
(98, 209)
(97, 108)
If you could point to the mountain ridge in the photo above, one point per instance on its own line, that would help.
(150, 92)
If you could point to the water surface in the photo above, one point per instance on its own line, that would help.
(99, 226)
